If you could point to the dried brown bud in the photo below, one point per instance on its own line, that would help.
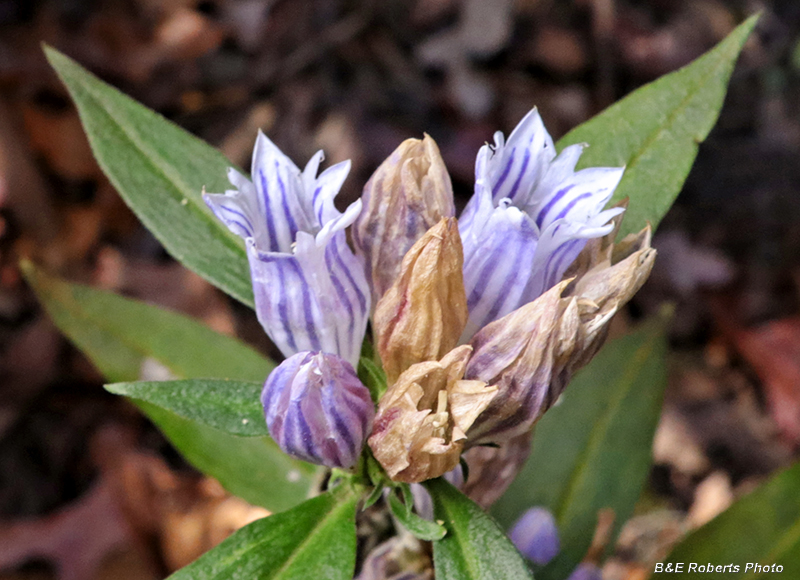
(406, 196)
(422, 315)
(422, 418)
(531, 354)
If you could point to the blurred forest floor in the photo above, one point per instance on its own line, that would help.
(89, 490)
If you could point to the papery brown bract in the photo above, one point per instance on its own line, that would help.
(406, 196)
(422, 315)
(422, 418)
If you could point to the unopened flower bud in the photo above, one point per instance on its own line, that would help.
(317, 409)
(406, 196)
(536, 535)
(421, 317)
(520, 353)
(423, 417)
(586, 571)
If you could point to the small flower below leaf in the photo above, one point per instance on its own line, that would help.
(586, 571)
(317, 409)
(535, 534)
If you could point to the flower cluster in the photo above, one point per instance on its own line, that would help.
(479, 321)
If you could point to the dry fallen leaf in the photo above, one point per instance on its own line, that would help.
(773, 351)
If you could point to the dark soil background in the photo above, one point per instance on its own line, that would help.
(89, 490)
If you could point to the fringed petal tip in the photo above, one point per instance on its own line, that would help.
(310, 290)
(317, 409)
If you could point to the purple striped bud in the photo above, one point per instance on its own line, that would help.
(536, 535)
(586, 571)
(317, 409)
(310, 290)
(406, 196)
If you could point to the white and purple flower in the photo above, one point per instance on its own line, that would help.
(312, 298)
(530, 217)
(310, 290)
(528, 220)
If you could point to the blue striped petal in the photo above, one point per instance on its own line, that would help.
(237, 208)
(530, 217)
(310, 289)
(500, 241)
(316, 298)
(317, 410)
(515, 167)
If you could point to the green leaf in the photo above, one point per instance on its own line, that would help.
(419, 527)
(119, 334)
(230, 406)
(315, 540)
(475, 547)
(592, 450)
(253, 468)
(655, 131)
(762, 527)
(160, 171)
(373, 377)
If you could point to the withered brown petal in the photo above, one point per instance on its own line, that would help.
(406, 196)
(422, 315)
(422, 418)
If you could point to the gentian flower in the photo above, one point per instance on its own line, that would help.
(529, 218)
(311, 297)
(310, 290)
